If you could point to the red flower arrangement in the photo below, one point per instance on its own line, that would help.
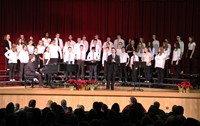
(71, 82)
(92, 82)
(80, 83)
(185, 85)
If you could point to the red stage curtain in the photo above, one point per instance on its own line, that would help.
(131, 18)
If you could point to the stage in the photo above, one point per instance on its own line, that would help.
(121, 95)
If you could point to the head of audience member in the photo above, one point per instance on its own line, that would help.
(156, 105)
(191, 122)
(94, 106)
(57, 35)
(154, 37)
(49, 102)
(78, 40)
(32, 103)
(10, 108)
(108, 38)
(113, 50)
(178, 38)
(84, 37)
(123, 50)
(63, 103)
(179, 110)
(69, 49)
(191, 39)
(70, 37)
(133, 100)
(118, 36)
(104, 108)
(32, 58)
(17, 106)
(115, 107)
(96, 37)
(7, 37)
(69, 110)
(46, 35)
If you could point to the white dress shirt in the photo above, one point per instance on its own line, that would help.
(118, 51)
(60, 42)
(176, 55)
(123, 57)
(54, 50)
(160, 61)
(46, 41)
(69, 57)
(134, 58)
(80, 55)
(77, 47)
(30, 49)
(93, 56)
(97, 49)
(105, 44)
(19, 48)
(23, 56)
(47, 56)
(191, 45)
(11, 56)
(105, 57)
(167, 53)
(41, 49)
(146, 57)
(117, 41)
(181, 43)
(85, 43)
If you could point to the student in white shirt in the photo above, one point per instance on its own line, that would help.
(93, 57)
(11, 55)
(119, 49)
(134, 59)
(141, 40)
(99, 43)
(181, 44)
(160, 64)
(190, 53)
(41, 49)
(46, 56)
(108, 43)
(156, 44)
(106, 53)
(55, 51)
(46, 39)
(85, 43)
(167, 53)
(30, 47)
(77, 45)
(72, 42)
(96, 46)
(58, 41)
(147, 57)
(80, 57)
(69, 58)
(176, 58)
(23, 57)
(124, 61)
(118, 40)
(67, 44)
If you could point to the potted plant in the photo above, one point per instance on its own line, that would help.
(93, 84)
(81, 84)
(71, 83)
(184, 87)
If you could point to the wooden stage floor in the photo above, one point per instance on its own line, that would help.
(121, 95)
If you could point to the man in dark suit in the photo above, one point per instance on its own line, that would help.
(113, 64)
(30, 71)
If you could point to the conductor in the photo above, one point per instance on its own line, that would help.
(113, 64)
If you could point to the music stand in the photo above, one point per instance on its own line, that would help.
(68, 68)
(139, 65)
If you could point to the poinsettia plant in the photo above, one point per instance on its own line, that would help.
(71, 82)
(185, 85)
(92, 82)
(80, 83)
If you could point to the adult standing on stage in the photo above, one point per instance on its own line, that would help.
(7, 45)
(190, 53)
(113, 64)
(160, 64)
(181, 44)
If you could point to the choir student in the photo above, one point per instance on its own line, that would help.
(190, 53)
(23, 57)
(7, 46)
(147, 57)
(134, 59)
(160, 64)
(46, 39)
(176, 59)
(93, 57)
(11, 55)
